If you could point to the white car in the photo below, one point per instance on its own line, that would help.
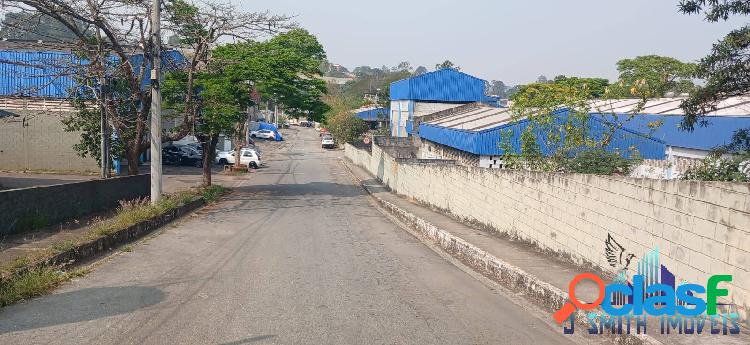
(222, 157)
(248, 157)
(263, 134)
(327, 142)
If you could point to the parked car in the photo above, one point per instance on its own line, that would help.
(222, 157)
(263, 134)
(327, 142)
(248, 157)
(171, 155)
(191, 156)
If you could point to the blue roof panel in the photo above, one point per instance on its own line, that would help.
(52, 74)
(445, 85)
(376, 114)
(487, 142)
(718, 132)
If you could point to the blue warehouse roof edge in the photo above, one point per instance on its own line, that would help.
(445, 85)
(48, 74)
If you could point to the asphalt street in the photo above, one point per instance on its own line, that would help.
(297, 254)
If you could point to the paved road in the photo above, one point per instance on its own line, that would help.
(297, 255)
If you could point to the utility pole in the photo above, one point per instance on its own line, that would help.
(104, 145)
(156, 102)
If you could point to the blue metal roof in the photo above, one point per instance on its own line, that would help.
(487, 142)
(50, 74)
(718, 132)
(445, 85)
(375, 114)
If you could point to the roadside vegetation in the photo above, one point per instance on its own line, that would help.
(730, 162)
(31, 276)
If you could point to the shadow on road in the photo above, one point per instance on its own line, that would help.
(76, 306)
(302, 189)
(249, 340)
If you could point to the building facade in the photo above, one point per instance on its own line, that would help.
(429, 93)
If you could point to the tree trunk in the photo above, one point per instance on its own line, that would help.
(133, 161)
(209, 153)
(238, 141)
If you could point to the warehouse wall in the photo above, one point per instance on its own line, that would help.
(35, 140)
(700, 228)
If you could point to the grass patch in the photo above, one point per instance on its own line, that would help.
(64, 246)
(16, 264)
(133, 212)
(211, 193)
(26, 278)
(29, 284)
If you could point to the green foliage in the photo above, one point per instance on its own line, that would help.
(569, 140)
(284, 69)
(600, 162)
(653, 76)
(540, 104)
(64, 246)
(718, 168)
(447, 64)
(188, 28)
(727, 73)
(726, 69)
(29, 284)
(87, 121)
(594, 87)
(715, 10)
(345, 127)
(212, 193)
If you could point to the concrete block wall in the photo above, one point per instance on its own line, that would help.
(700, 228)
(36, 140)
(27, 208)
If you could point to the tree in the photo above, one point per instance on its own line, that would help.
(346, 127)
(403, 66)
(542, 79)
(596, 87)
(559, 120)
(283, 68)
(726, 69)
(653, 76)
(200, 28)
(420, 70)
(496, 88)
(34, 27)
(113, 37)
(447, 64)
(362, 71)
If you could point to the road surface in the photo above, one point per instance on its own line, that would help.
(296, 255)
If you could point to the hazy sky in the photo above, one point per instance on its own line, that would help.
(513, 41)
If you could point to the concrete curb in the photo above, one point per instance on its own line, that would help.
(105, 243)
(509, 276)
(120, 237)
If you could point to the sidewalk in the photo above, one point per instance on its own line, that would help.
(540, 277)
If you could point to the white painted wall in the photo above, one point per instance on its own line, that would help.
(700, 228)
(400, 113)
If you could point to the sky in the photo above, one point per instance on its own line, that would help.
(510, 40)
